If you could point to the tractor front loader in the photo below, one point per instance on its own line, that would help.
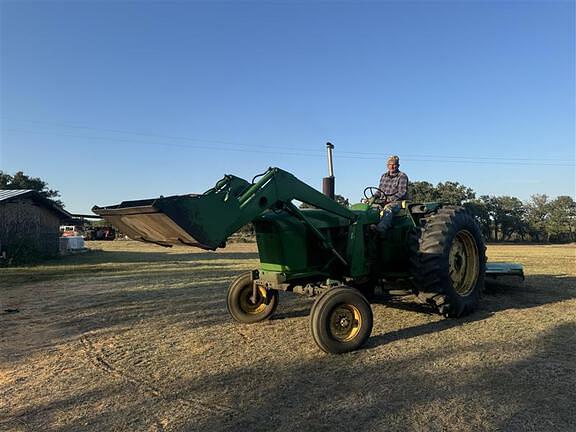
(328, 252)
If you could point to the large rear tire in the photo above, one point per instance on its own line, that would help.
(241, 305)
(448, 261)
(341, 320)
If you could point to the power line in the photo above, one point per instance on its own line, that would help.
(158, 143)
(236, 144)
(230, 143)
(152, 135)
(313, 153)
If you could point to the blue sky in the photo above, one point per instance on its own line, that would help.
(110, 101)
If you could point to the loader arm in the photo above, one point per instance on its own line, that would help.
(207, 220)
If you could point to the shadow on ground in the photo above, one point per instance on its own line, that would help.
(318, 398)
(537, 290)
(529, 393)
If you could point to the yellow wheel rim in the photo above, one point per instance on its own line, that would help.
(250, 307)
(345, 322)
(464, 263)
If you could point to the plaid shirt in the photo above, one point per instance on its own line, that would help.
(395, 186)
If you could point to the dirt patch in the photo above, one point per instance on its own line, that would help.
(137, 337)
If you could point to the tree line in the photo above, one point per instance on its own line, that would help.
(503, 217)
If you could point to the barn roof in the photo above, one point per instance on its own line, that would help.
(11, 193)
(8, 194)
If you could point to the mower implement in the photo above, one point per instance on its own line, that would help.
(327, 252)
(502, 273)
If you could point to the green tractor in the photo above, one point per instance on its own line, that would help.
(328, 252)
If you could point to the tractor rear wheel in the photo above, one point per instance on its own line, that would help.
(448, 261)
(246, 309)
(341, 320)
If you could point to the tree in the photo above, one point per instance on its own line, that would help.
(479, 210)
(537, 212)
(22, 181)
(507, 215)
(421, 192)
(454, 193)
(561, 223)
(511, 217)
(448, 192)
(342, 200)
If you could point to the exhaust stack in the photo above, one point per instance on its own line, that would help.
(328, 183)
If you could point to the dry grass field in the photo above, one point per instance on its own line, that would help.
(136, 337)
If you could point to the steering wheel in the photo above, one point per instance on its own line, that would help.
(372, 191)
(369, 194)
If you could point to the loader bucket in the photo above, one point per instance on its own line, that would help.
(142, 220)
(203, 220)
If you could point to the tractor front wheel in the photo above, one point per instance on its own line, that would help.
(244, 307)
(341, 320)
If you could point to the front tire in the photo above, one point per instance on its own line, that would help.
(241, 305)
(341, 320)
(448, 262)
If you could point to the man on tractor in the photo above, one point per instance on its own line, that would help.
(391, 191)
